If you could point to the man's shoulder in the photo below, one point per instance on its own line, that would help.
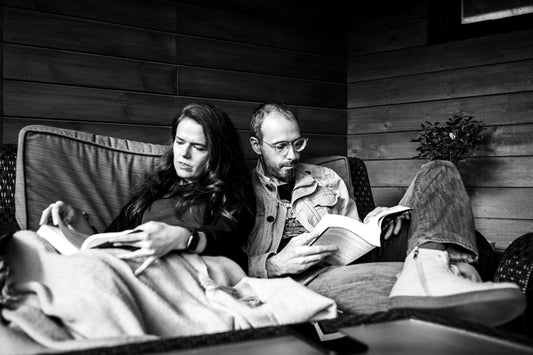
(318, 171)
(315, 169)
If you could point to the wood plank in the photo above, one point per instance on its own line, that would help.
(25, 99)
(392, 173)
(476, 172)
(364, 14)
(387, 196)
(325, 145)
(311, 119)
(76, 103)
(301, 11)
(60, 32)
(395, 36)
(216, 54)
(512, 203)
(512, 108)
(477, 81)
(503, 231)
(142, 133)
(506, 47)
(62, 67)
(154, 14)
(498, 172)
(221, 84)
(508, 140)
(394, 145)
(203, 22)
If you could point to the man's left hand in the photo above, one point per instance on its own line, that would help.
(394, 226)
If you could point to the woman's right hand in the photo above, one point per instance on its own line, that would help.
(70, 216)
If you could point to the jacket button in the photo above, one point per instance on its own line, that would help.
(270, 219)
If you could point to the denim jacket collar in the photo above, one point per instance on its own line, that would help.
(305, 183)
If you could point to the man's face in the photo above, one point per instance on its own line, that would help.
(276, 129)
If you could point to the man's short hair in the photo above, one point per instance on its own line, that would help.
(265, 109)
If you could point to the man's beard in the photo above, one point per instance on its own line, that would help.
(287, 175)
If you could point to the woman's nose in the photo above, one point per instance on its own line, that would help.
(186, 152)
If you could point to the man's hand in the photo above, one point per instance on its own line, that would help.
(393, 226)
(298, 256)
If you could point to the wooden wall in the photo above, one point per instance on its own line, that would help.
(127, 67)
(397, 80)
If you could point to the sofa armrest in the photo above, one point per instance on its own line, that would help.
(8, 158)
(516, 264)
(361, 187)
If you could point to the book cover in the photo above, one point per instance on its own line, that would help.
(352, 237)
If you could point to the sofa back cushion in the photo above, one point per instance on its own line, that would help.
(93, 172)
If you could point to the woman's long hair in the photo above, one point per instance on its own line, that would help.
(223, 184)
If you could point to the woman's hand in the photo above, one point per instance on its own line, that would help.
(154, 239)
(61, 212)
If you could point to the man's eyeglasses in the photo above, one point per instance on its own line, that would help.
(282, 148)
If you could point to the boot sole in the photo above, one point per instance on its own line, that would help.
(492, 308)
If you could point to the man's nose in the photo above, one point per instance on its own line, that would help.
(291, 153)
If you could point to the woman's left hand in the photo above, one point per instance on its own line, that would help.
(154, 239)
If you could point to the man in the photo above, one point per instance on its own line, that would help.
(436, 241)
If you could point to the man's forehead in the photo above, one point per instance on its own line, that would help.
(279, 127)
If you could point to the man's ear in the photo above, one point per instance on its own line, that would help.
(254, 143)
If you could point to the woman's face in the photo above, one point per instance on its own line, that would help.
(190, 150)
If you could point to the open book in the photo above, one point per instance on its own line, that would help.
(352, 237)
(68, 241)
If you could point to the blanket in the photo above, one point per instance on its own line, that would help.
(93, 298)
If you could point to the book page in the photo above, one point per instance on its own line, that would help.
(65, 240)
(352, 238)
(68, 241)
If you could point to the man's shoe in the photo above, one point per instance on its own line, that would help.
(427, 282)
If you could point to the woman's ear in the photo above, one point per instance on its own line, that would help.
(256, 145)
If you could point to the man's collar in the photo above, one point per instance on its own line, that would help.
(303, 177)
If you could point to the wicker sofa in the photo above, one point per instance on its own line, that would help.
(51, 163)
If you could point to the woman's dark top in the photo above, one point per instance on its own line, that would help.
(224, 236)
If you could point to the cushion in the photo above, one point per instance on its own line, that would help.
(93, 172)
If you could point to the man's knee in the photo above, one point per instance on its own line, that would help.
(440, 167)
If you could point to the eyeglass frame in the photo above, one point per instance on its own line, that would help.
(289, 144)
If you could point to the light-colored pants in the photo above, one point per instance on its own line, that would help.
(441, 213)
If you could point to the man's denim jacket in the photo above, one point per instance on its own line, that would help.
(318, 190)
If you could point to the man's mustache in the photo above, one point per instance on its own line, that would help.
(292, 164)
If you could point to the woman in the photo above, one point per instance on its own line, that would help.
(199, 199)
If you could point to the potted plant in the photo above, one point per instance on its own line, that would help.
(453, 141)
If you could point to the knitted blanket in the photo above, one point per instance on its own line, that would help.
(93, 298)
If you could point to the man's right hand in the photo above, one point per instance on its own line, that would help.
(298, 256)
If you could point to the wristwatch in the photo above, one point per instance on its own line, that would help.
(192, 242)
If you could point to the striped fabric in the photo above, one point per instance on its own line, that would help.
(93, 172)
